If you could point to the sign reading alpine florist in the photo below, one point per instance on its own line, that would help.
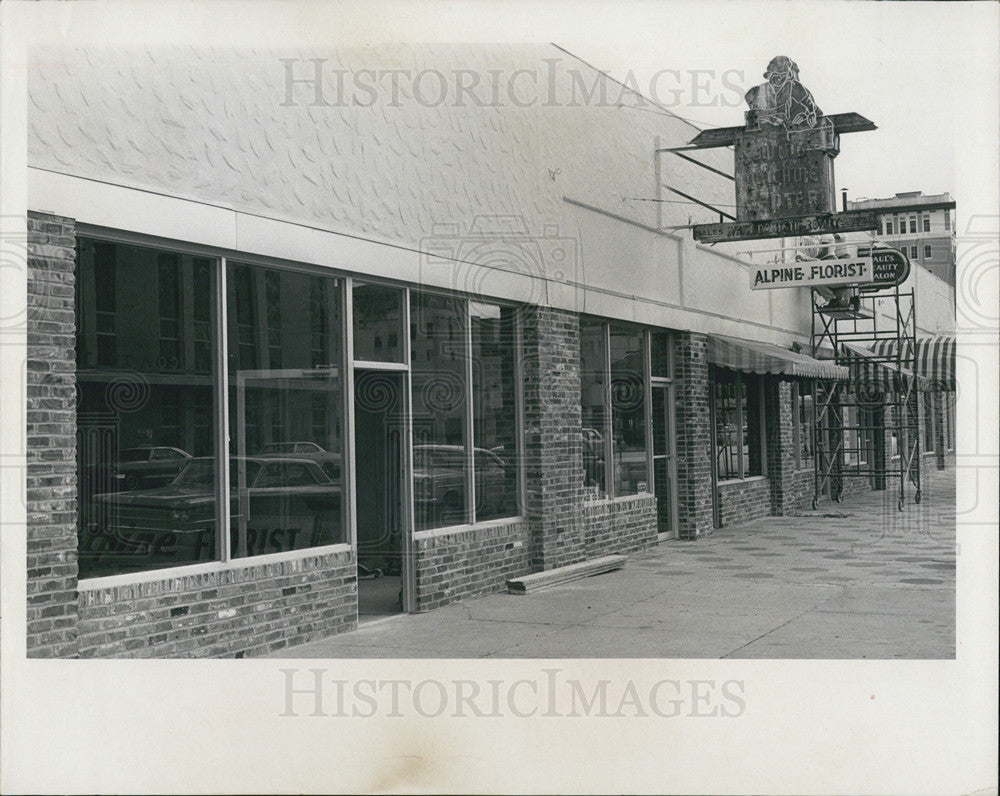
(855, 271)
(890, 268)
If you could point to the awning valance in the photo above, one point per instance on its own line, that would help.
(751, 356)
(933, 359)
(879, 371)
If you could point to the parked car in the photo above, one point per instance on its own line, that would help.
(330, 462)
(439, 482)
(286, 503)
(141, 467)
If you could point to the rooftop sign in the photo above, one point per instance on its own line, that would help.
(783, 165)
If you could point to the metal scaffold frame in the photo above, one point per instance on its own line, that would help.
(853, 420)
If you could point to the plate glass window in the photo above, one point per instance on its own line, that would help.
(442, 458)
(378, 323)
(145, 419)
(593, 405)
(494, 409)
(285, 410)
(628, 411)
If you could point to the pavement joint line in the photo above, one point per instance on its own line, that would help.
(783, 624)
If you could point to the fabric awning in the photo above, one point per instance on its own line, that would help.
(751, 356)
(879, 371)
(934, 358)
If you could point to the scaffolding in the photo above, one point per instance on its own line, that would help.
(869, 425)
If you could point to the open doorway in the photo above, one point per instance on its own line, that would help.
(381, 491)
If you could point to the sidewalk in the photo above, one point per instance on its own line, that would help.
(858, 579)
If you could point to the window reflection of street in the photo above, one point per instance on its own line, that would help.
(290, 504)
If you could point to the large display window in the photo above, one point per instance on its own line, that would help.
(614, 382)
(286, 410)
(738, 406)
(146, 425)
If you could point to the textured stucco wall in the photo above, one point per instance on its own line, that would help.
(516, 158)
(213, 125)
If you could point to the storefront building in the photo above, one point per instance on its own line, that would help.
(297, 355)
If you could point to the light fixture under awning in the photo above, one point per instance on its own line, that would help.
(751, 356)
(934, 358)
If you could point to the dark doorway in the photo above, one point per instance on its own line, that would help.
(380, 471)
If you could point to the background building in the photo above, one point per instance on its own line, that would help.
(922, 227)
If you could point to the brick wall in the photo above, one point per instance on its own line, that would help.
(694, 441)
(238, 611)
(51, 438)
(938, 407)
(469, 562)
(553, 445)
(621, 525)
(799, 488)
(744, 500)
(780, 444)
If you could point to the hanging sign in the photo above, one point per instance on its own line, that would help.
(890, 268)
(854, 221)
(810, 273)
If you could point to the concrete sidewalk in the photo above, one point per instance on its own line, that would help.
(858, 579)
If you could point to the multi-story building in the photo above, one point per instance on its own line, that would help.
(922, 227)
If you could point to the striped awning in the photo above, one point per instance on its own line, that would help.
(751, 356)
(933, 359)
(879, 371)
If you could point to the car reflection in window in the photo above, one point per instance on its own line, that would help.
(439, 484)
(281, 504)
(329, 462)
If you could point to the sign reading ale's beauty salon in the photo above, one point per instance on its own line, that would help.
(811, 273)
(783, 163)
(889, 268)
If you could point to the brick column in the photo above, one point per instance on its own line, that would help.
(51, 438)
(553, 445)
(694, 440)
(780, 445)
(938, 408)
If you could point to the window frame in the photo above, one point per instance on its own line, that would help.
(219, 259)
(607, 429)
(799, 400)
(742, 413)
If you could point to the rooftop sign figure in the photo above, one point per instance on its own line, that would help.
(781, 101)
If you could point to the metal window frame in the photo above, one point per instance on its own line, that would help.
(222, 258)
(609, 425)
(796, 425)
(668, 385)
(220, 397)
(468, 426)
